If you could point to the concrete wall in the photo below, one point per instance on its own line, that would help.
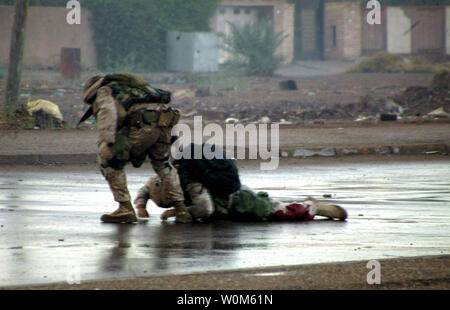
(178, 55)
(47, 31)
(283, 20)
(346, 18)
(206, 52)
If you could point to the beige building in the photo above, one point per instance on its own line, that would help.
(47, 32)
(409, 30)
(327, 29)
(315, 29)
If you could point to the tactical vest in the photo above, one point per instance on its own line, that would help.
(130, 90)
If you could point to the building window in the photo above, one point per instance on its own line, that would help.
(334, 36)
(237, 11)
(247, 11)
(222, 10)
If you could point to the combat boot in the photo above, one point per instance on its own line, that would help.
(182, 215)
(325, 209)
(124, 214)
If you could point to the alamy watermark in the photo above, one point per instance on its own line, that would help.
(73, 275)
(374, 16)
(235, 136)
(73, 17)
(374, 275)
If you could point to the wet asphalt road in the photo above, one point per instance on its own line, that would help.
(50, 228)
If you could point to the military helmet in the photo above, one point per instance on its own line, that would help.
(90, 88)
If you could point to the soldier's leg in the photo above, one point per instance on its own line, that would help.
(118, 184)
(202, 205)
(155, 141)
(159, 155)
(141, 139)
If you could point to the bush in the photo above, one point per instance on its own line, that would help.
(254, 46)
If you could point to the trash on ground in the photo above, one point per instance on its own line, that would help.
(432, 152)
(205, 92)
(45, 106)
(264, 120)
(231, 120)
(439, 112)
(327, 152)
(388, 117)
(45, 113)
(183, 94)
(288, 85)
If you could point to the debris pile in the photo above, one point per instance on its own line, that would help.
(392, 63)
(420, 101)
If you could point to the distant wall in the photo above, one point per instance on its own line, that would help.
(398, 31)
(47, 31)
(343, 30)
(192, 51)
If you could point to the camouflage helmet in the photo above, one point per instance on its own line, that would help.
(90, 88)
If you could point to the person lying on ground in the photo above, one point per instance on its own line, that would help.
(243, 205)
(212, 190)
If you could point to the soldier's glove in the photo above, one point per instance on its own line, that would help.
(105, 152)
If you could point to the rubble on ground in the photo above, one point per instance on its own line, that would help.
(422, 100)
(317, 101)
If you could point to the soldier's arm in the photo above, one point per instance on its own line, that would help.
(143, 196)
(106, 113)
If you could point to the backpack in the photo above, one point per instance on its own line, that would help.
(219, 176)
(250, 206)
(127, 89)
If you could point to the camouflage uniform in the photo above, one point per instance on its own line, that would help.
(201, 204)
(132, 125)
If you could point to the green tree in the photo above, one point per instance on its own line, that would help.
(254, 46)
(132, 34)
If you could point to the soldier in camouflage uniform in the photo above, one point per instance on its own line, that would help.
(133, 122)
(204, 206)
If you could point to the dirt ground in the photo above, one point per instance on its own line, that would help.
(418, 273)
(335, 135)
(220, 96)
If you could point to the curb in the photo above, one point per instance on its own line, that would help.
(421, 149)
(48, 159)
(91, 158)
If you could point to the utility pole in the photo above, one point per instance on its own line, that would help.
(16, 54)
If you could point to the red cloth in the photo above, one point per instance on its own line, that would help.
(293, 212)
